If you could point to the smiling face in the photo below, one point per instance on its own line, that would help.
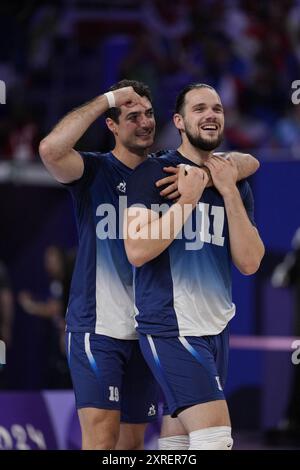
(201, 119)
(135, 128)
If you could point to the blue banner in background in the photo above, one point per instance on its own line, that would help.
(46, 421)
(25, 422)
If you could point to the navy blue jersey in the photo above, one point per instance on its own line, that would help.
(101, 296)
(185, 291)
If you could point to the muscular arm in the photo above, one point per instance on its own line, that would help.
(56, 149)
(246, 246)
(147, 234)
(245, 163)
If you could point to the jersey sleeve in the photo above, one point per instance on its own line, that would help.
(248, 200)
(91, 163)
(141, 187)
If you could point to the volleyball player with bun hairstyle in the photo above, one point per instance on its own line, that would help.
(183, 280)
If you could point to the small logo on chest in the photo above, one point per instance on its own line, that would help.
(122, 187)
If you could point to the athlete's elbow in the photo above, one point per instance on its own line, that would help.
(136, 260)
(248, 270)
(135, 256)
(256, 163)
(46, 150)
(250, 267)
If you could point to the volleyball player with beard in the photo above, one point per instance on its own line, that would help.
(183, 284)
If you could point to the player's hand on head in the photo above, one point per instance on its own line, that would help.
(126, 96)
(223, 171)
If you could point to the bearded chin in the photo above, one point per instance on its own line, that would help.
(204, 144)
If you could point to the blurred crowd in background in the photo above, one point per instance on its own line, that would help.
(249, 51)
(50, 308)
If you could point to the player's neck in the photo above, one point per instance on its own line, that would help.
(130, 158)
(194, 154)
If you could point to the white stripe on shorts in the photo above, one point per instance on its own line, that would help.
(69, 345)
(153, 348)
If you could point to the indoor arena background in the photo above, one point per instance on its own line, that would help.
(54, 56)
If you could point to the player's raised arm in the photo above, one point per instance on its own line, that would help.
(57, 148)
(246, 164)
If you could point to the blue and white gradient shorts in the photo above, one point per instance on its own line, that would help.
(190, 370)
(109, 373)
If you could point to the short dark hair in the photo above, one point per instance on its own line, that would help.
(180, 100)
(139, 87)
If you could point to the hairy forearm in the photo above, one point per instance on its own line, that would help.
(71, 128)
(246, 164)
(246, 246)
(150, 239)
